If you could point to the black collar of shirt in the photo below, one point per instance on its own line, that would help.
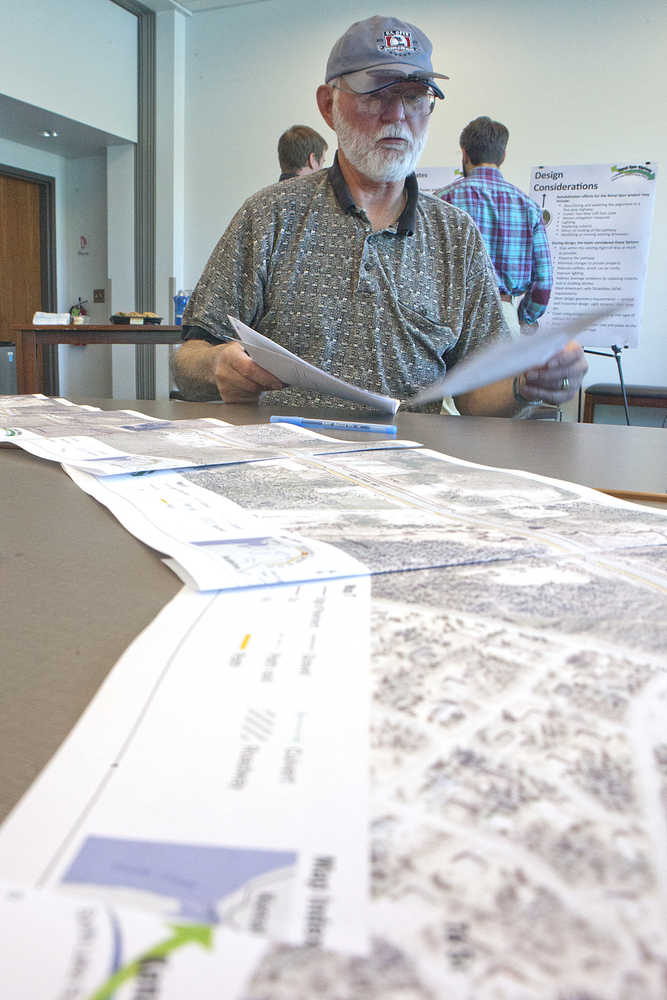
(287, 176)
(407, 219)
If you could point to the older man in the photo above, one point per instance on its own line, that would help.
(351, 268)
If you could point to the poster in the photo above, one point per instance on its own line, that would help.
(431, 179)
(598, 219)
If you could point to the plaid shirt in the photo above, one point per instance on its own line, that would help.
(511, 226)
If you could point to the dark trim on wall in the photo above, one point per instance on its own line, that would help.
(144, 187)
(48, 273)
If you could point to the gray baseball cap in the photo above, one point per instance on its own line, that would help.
(380, 51)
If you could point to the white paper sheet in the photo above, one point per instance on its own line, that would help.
(503, 359)
(598, 219)
(87, 950)
(209, 777)
(177, 444)
(52, 319)
(218, 544)
(293, 371)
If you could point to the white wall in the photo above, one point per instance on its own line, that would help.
(85, 371)
(582, 81)
(77, 59)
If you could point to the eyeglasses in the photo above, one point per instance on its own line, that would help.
(418, 102)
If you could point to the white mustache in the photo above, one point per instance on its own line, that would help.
(394, 132)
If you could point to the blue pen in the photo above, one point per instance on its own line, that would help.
(336, 425)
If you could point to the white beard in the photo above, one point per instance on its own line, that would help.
(375, 163)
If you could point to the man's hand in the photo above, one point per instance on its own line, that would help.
(238, 378)
(208, 371)
(558, 380)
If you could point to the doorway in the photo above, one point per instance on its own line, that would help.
(27, 256)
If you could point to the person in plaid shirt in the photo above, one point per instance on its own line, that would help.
(510, 223)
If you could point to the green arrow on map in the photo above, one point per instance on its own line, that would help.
(183, 934)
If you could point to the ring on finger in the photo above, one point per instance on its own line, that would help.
(564, 383)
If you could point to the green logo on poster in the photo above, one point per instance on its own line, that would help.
(201, 934)
(638, 170)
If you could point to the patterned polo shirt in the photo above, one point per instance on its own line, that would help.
(389, 311)
(513, 231)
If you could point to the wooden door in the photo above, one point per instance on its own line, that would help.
(20, 252)
(26, 256)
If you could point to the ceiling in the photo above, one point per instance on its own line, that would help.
(23, 123)
(195, 6)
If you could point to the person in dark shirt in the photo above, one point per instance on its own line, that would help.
(301, 150)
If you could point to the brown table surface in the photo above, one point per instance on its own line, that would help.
(29, 339)
(77, 587)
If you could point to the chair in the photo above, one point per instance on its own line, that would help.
(610, 394)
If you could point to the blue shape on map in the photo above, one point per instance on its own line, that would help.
(199, 876)
(254, 542)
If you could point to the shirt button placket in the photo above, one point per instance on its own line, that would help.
(366, 267)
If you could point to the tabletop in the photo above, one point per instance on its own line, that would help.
(70, 621)
(78, 588)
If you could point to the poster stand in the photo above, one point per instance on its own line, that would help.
(617, 357)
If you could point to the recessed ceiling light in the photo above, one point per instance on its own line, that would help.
(48, 133)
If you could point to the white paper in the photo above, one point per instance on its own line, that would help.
(51, 319)
(295, 372)
(598, 220)
(54, 947)
(304, 518)
(118, 442)
(219, 545)
(432, 179)
(207, 779)
(502, 359)
(518, 759)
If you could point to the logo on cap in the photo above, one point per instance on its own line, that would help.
(399, 43)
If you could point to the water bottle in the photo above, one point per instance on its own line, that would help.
(180, 302)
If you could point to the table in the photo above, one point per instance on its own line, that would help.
(30, 339)
(67, 621)
(81, 588)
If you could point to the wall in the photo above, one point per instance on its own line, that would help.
(85, 371)
(582, 81)
(77, 59)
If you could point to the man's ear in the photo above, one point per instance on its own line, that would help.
(325, 97)
(313, 162)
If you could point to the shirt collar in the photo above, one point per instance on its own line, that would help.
(407, 219)
(488, 172)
